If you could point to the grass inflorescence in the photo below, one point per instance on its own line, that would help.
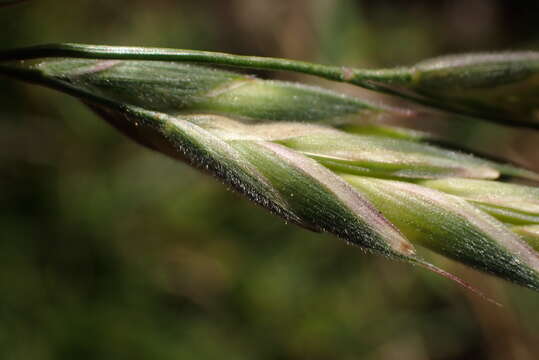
(321, 159)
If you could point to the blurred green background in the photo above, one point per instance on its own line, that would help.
(111, 251)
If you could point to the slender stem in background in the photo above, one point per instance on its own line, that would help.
(359, 77)
(397, 81)
(377, 80)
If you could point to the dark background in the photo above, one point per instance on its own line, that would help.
(111, 251)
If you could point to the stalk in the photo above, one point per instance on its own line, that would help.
(483, 86)
(335, 73)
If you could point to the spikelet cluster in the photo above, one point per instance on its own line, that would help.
(319, 159)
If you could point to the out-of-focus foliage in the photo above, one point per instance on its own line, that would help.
(111, 251)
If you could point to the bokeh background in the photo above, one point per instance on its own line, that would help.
(111, 251)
